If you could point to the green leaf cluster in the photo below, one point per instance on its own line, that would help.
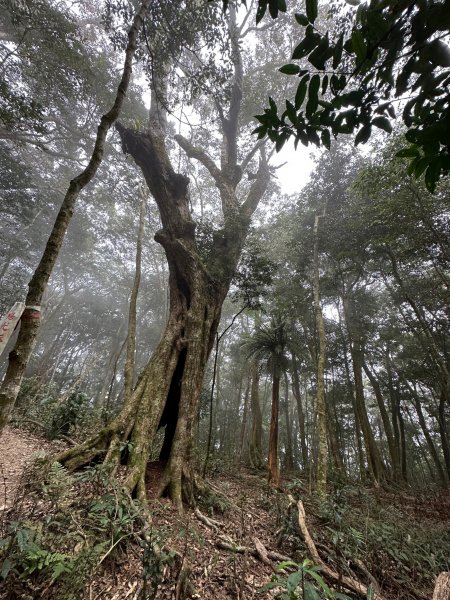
(393, 50)
(306, 579)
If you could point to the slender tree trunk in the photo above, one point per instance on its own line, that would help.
(403, 453)
(131, 335)
(289, 460)
(300, 413)
(376, 466)
(430, 443)
(106, 408)
(111, 367)
(30, 321)
(333, 438)
(394, 399)
(274, 475)
(443, 430)
(322, 455)
(255, 451)
(393, 453)
(359, 447)
(244, 427)
(212, 412)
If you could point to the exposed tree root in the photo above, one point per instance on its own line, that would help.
(348, 582)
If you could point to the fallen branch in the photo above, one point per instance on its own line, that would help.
(362, 567)
(231, 547)
(348, 582)
(211, 523)
(262, 551)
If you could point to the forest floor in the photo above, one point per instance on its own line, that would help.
(210, 544)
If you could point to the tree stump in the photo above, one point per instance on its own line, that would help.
(442, 589)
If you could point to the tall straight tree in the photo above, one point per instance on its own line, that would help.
(321, 409)
(168, 390)
(269, 343)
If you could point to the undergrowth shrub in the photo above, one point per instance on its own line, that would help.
(404, 554)
(304, 582)
(56, 415)
(63, 527)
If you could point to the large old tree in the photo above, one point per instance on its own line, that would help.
(168, 389)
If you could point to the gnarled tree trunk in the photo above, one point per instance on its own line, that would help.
(168, 390)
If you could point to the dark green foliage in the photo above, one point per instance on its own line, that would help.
(383, 52)
(269, 342)
(395, 547)
(57, 414)
(19, 112)
(48, 66)
(305, 578)
(69, 413)
(274, 6)
(254, 274)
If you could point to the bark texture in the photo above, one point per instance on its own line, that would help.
(442, 588)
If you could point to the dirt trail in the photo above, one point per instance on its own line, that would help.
(17, 449)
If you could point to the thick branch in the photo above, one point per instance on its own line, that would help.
(200, 155)
(227, 195)
(259, 144)
(258, 188)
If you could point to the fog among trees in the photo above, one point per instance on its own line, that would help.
(194, 348)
